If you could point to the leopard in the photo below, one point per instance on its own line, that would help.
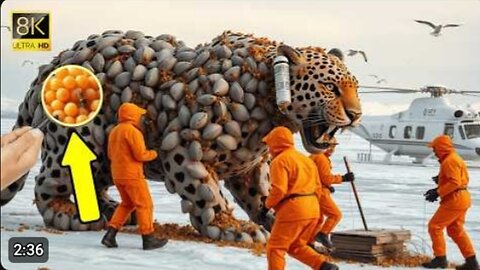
(209, 106)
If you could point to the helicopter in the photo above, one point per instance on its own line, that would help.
(408, 132)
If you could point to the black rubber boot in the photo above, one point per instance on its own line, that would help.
(328, 266)
(471, 263)
(320, 249)
(109, 239)
(437, 262)
(324, 240)
(150, 242)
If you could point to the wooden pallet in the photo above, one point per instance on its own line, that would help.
(372, 237)
(364, 258)
(374, 249)
(369, 246)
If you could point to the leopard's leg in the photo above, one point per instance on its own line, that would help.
(8, 193)
(250, 189)
(202, 198)
(53, 189)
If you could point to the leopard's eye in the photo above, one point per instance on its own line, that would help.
(330, 86)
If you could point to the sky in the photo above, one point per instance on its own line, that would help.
(399, 49)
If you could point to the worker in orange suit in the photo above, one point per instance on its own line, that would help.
(454, 203)
(294, 197)
(127, 153)
(328, 207)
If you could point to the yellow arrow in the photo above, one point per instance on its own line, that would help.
(78, 158)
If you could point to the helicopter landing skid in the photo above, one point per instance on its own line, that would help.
(425, 161)
(388, 157)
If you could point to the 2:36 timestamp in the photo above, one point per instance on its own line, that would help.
(28, 249)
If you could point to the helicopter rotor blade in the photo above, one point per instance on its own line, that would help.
(472, 95)
(388, 91)
(455, 91)
(426, 89)
(385, 88)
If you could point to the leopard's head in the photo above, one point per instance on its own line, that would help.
(324, 94)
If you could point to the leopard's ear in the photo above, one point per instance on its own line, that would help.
(338, 53)
(293, 55)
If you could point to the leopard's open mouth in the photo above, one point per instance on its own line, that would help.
(316, 134)
(319, 135)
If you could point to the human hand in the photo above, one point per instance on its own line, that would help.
(348, 177)
(154, 154)
(20, 149)
(266, 218)
(262, 215)
(431, 195)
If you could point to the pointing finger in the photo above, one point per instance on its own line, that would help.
(28, 158)
(13, 135)
(27, 140)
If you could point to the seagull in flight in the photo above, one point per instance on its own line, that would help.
(437, 28)
(378, 79)
(25, 62)
(354, 52)
(6, 27)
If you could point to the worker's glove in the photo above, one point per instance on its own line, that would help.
(348, 177)
(332, 189)
(435, 179)
(262, 215)
(269, 221)
(431, 195)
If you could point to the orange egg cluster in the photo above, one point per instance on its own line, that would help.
(71, 95)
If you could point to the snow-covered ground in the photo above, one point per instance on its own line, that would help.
(391, 198)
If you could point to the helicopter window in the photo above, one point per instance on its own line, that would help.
(462, 133)
(472, 131)
(448, 130)
(407, 132)
(420, 133)
(392, 132)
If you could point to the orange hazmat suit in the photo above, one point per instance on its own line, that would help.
(127, 153)
(455, 199)
(295, 186)
(328, 207)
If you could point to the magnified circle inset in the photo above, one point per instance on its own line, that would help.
(72, 95)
